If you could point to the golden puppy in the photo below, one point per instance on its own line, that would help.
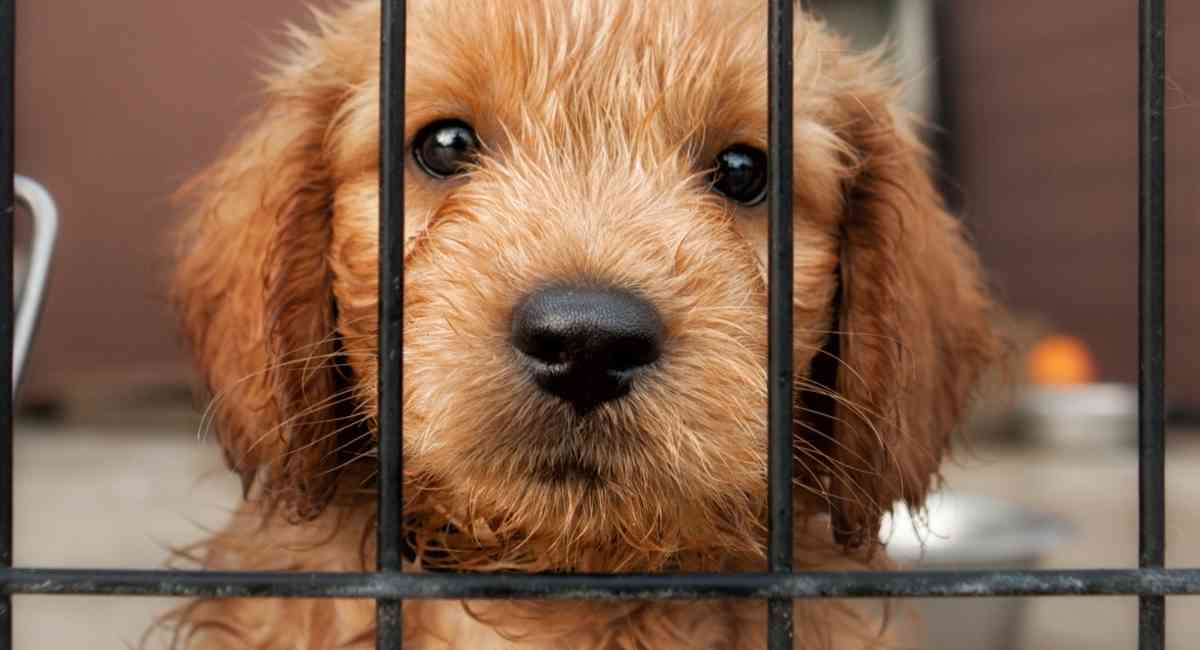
(585, 318)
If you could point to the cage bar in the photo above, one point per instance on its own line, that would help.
(389, 616)
(779, 372)
(1151, 313)
(8, 38)
(606, 587)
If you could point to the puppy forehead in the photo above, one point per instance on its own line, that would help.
(591, 65)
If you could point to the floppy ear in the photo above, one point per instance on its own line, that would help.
(253, 292)
(912, 328)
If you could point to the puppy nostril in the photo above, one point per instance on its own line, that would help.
(633, 352)
(583, 344)
(542, 344)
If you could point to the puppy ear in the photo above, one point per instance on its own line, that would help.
(912, 330)
(253, 292)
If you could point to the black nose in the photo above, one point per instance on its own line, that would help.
(584, 344)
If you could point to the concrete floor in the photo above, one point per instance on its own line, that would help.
(112, 498)
(107, 498)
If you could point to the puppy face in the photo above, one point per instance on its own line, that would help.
(585, 294)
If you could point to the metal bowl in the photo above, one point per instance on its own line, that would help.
(962, 531)
(1080, 417)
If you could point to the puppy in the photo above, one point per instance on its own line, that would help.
(585, 319)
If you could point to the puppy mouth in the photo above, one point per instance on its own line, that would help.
(576, 455)
(568, 471)
(580, 449)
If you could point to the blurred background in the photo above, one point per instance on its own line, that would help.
(1035, 111)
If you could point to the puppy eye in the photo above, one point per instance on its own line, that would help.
(741, 174)
(445, 147)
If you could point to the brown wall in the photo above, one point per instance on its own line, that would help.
(1046, 98)
(117, 103)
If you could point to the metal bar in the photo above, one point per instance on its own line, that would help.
(779, 371)
(606, 587)
(8, 37)
(389, 615)
(1151, 310)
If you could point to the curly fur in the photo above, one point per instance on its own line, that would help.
(599, 119)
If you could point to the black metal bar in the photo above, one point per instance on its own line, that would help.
(607, 587)
(389, 615)
(8, 38)
(780, 378)
(1151, 309)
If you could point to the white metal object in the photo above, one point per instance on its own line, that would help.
(40, 205)
(1084, 417)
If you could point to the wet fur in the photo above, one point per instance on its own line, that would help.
(600, 119)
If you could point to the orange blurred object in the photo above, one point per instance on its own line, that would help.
(1060, 360)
